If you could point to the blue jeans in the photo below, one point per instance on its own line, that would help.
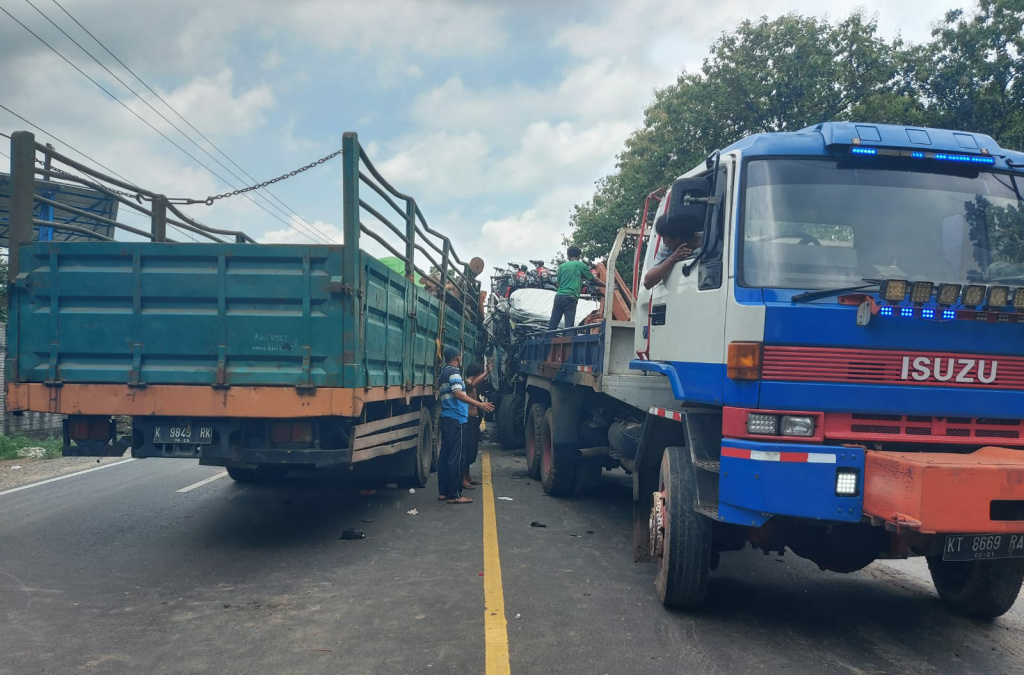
(565, 305)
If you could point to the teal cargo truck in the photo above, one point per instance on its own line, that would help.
(258, 358)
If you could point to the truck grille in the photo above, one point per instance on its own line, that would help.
(920, 428)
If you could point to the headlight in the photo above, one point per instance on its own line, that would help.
(797, 425)
(761, 424)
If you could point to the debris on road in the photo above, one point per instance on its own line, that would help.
(505, 499)
(536, 524)
(392, 486)
(519, 616)
(15, 467)
(353, 534)
(412, 491)
(32, 453)
(413, 512)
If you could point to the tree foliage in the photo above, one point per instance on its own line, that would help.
(791, 72)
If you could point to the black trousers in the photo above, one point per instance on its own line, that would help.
(470, 441)
(565, 305)
(449, 464)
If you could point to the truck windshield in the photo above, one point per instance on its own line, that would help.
(811, 224)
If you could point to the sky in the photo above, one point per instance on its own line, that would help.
(497, 117)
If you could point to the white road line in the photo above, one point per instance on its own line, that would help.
(203, 482)
(68, 475)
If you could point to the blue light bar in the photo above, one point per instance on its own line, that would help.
(907, 311)
(928, 313)
(917, 154)
(948, 314)
(885, 311)
(969, 159)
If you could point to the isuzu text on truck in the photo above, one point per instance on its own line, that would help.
(838, 369)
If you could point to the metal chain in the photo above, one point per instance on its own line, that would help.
(210, 200)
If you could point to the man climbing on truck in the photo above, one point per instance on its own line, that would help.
(570, 280)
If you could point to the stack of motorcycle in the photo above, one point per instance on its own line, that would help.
(507, 280)
(519, 305)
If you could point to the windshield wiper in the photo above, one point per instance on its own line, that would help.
(807, 296)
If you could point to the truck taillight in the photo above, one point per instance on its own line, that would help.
(744, 362)
(89, 429)
(282, 433)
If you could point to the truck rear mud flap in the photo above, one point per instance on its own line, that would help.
(941, 492)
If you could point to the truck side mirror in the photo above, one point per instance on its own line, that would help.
(687, 206)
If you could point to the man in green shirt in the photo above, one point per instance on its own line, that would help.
(570, 279)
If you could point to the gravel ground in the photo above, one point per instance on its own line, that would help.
(33, 470)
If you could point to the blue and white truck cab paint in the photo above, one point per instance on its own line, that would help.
(843, 359)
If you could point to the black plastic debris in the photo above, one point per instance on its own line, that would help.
(536, 524)
(353, 534)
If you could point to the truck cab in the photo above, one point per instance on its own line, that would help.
(841, 362)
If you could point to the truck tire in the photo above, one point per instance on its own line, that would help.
(417, 461)
(261, 474)
(557, 474)
(510, 421)
(981, 589)
(685, 557)
(534, 439)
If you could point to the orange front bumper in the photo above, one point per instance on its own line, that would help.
(937, 492)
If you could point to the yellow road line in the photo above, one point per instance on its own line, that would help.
(495, 626)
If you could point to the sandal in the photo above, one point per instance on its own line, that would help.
(442, 498)
(468, 487)
(474, 482)
(461, 500)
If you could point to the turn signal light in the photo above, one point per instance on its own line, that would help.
(744, 361)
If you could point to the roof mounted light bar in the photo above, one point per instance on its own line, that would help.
(918, 154)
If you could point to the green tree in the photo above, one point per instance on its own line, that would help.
(971, 76)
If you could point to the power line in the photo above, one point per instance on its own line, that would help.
(64, 143)
(182, 118)
(142, 119)
(71, 147)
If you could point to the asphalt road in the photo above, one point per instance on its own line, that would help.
(118, 571)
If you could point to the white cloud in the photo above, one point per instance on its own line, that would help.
(211, 104)
(297, 233)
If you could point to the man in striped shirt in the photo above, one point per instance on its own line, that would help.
(455, 404)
